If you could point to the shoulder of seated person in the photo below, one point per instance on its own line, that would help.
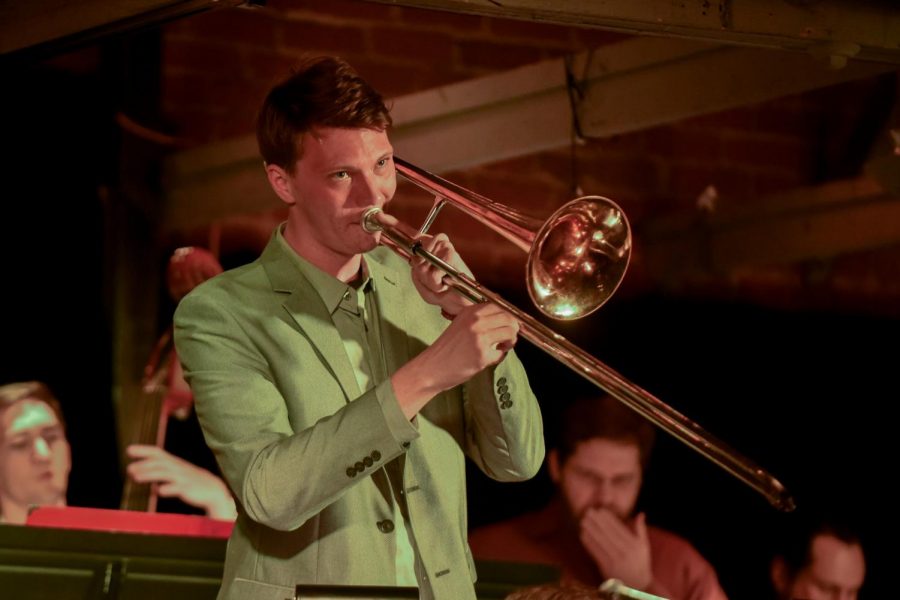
(669, 539)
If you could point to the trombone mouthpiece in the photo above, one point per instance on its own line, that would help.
(369, 221)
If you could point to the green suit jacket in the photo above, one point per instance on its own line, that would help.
(303, 449)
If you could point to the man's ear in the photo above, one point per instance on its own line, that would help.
(553, 465)
(778, 572)
(280, 181)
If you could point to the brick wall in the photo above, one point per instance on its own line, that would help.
(217, 67)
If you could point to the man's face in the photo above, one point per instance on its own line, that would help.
(340, 174)
(601, 473)
(34, 455)
(835, 572)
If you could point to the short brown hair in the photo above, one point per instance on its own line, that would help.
(323, 91)
(13, 393)
(607, 418)
(556, 591)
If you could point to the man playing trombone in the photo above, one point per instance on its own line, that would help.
(339, 393)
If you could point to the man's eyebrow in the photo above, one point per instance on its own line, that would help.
(588, 471)
(41, 428)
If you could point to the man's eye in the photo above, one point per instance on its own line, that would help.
(383, 162)
(341, 175)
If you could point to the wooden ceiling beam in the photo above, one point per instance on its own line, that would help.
(869, 30)
(812, 223)
(38, 27)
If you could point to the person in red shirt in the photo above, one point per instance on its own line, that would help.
(591, 531)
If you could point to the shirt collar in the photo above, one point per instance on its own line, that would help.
(329, 288)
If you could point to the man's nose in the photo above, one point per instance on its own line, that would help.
(602, 494)
(41, 449)
(371, 191)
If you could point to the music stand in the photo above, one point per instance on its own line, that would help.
(354, 592)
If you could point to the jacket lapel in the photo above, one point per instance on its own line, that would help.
(391, 307)
(312, 318)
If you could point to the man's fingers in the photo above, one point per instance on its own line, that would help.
(597, 544)
(640, 524)
(142, 450)
(619, 529)
(143, 472)
(168, 490)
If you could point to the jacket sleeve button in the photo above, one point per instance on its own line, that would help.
(385, 526)
(376, 455)
(351, 472)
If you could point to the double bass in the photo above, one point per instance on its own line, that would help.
(165, 393)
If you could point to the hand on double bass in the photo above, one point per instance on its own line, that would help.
(177, 478)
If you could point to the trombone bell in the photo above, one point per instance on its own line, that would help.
(576, 259)
(579, 257)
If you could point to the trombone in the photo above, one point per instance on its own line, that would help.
(576, 260)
